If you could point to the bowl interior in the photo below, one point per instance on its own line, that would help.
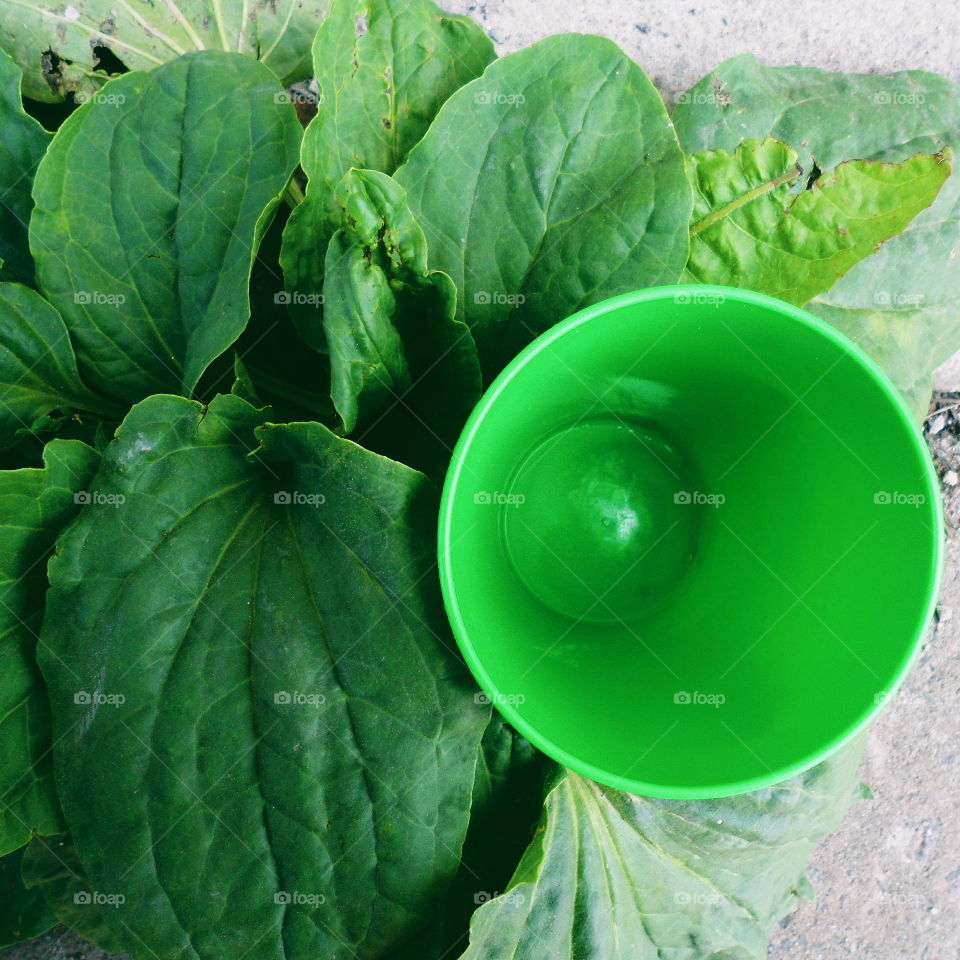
(689, 541)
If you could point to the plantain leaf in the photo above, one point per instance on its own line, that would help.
(270, 709)
(52, 871)
(24, 913)
(551, 182)
(613, 876)
(22, 144)
(38, 369)
(903, 304)
(60, 46)
(150, 204)
(747, 230)
(390, 322)
(383, 69)
(34, 505)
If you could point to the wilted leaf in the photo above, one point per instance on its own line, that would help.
(902, 305)
(748, 230)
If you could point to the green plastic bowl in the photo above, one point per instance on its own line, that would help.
(689, 541)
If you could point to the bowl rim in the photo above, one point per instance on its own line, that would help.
(474, 423)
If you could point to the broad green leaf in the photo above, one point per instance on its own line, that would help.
(508, 794)
(274, 714)
(383, 69)
(390, 323)
(551, 182)
(56, 44)
(38, 369)
(23, 913)
(748, 230)
(22, 143)
(613, 876)
(903, 304)
(52, 870)
(150, 204)
(34, 505)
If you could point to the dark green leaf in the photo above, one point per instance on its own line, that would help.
(34, 505)
(383, 70)
(23, 913)
(52, 869)
(508, 797)
(273, 714)
(551, 182)
(612, 876)
(150, 204)
(390, 322)
(22, 143)
(902, 305)
(748, 230)
(38, 369)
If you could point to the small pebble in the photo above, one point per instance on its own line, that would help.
(938, 423)
(950, 478)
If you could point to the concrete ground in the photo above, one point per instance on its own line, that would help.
(888, 880)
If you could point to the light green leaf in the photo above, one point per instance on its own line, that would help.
(22, 143)
(295, 744)
(54, 43)
(551, 182)
(903, 304)
(747, 230)
(52, 870)
(38, 369)
(613, 876)
(383, 69)
(24, 913)
(390, 322)
(150, 204)
(34, 505)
